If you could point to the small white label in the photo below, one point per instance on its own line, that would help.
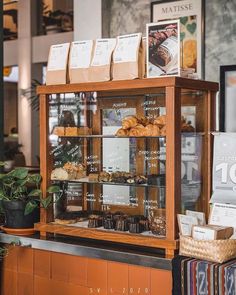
(171, 44)
(200, 233)
(127, 48)
(58, 57)
(103, 51)
(80, 54)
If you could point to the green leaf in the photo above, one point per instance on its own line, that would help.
(20, 173)
(46, 202)
(53, 189)
(21, 182)
(35, 193)
(35, 178)
(30, 206)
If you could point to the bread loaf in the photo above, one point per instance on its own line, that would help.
(122, 132)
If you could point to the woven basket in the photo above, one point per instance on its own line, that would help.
(214, 250)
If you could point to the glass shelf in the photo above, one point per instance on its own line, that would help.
(86, 181)
(185, 134)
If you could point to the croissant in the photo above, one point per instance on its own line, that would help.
(152, 130)
(143, 120)
(129, 122)
(122, 132)
(139, 130)
(163, 131)
(160, 121)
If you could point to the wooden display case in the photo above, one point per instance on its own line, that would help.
(184, 158)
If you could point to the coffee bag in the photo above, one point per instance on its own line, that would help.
(79, 61)
(128, 61)
(100, 69)
(57, 64)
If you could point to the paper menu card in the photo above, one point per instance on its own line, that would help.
(103, 51)
(80, 54)
(186, 223)
(223, 214)
(58, 57)
(127, 48)
(199, 215)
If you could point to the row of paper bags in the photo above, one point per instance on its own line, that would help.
(118, 58)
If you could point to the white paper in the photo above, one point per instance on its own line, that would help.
(199, 215)
(103, 51)
(127, 48)
(58, 56)
(200, 233)
(223, 214)
(80, 54)
(186, 223)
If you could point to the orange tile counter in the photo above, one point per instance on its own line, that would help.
(27, 271)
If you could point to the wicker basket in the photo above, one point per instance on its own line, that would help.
(214, 250)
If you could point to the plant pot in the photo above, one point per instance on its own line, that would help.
(15, 217)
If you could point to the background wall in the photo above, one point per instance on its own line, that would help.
(127, 16)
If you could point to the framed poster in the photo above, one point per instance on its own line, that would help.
(228, 98)
(191, 14)
(163, 49)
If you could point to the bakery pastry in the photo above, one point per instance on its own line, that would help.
(122, 132)
(135, 227)
(144, 224)
(163, 131)
(94, 221)
(104, 176)
(65, 221)
(93, 177)
(152, 130)
(108, 221)
(160, 121)
(138, 130)
(71, 131)
(74, 170)
(122, 224)
(59, 131)
(129, 122)
(158, 225)
(59, 174)
(140, 179)
(143, 120)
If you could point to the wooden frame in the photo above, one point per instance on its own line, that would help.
(173, 87)
(170, 12)
(223, 116)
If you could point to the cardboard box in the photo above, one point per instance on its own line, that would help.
(211, 232)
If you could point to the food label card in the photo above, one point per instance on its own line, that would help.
(224, 215)
(127, 48)
(80, 54)
(58, 57)
(103, 51)
(186, 223)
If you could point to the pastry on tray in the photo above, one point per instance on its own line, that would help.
(122, 132)
(129, 122)
(93, 177)
(65, 221)
(75, 170)
(59, 174)
(59, 131)
(138, 130)
(71, 131)
(158, 225)
(95, 221)
(104, 176)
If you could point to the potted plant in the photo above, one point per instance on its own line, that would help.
(20, 196)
